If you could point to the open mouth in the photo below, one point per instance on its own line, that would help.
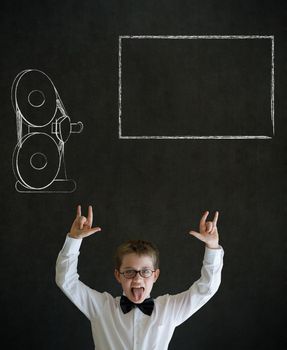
(137, 293)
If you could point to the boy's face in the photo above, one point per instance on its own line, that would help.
(137, 289)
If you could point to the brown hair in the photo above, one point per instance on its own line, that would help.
(139, 247)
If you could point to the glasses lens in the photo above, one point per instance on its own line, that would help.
(129, 273)
(146, 273)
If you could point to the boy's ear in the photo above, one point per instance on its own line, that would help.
(156, 274)
(117, 275)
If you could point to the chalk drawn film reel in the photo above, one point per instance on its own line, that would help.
(35, 97)
(36, 161)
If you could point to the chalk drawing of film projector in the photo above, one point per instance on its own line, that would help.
(43, 128)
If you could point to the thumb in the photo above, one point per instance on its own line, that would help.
(195, 234)
(91, 231)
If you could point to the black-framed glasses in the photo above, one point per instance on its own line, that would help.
(145, 273)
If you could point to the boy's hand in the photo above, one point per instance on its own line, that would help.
(82, 226)
(208, 231)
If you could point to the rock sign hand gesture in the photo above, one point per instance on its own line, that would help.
(82, 226)
(208, 231)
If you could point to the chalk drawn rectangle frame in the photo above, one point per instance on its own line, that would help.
(210, 37)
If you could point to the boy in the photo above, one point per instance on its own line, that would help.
(135, 320)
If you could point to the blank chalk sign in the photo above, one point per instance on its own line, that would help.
(196, 87)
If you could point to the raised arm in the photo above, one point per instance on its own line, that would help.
(181, 306)
(87, 300)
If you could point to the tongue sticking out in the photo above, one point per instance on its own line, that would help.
(138, 293)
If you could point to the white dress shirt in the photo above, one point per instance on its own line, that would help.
(114, 330)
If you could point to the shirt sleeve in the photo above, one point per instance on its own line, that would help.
(182, 306)
(89, 301)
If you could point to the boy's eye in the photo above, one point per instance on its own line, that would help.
(129, 273)
(145, 271)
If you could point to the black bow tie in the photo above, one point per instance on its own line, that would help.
(146, 306)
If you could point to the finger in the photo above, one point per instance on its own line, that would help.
(79, 212)
(215, 218)
(82, 221)
(203, 220)
(209, 226)
(195, 234)
(90, 215)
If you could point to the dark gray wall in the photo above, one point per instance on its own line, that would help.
(153, 189)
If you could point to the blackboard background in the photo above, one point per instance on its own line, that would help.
(153, 189)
